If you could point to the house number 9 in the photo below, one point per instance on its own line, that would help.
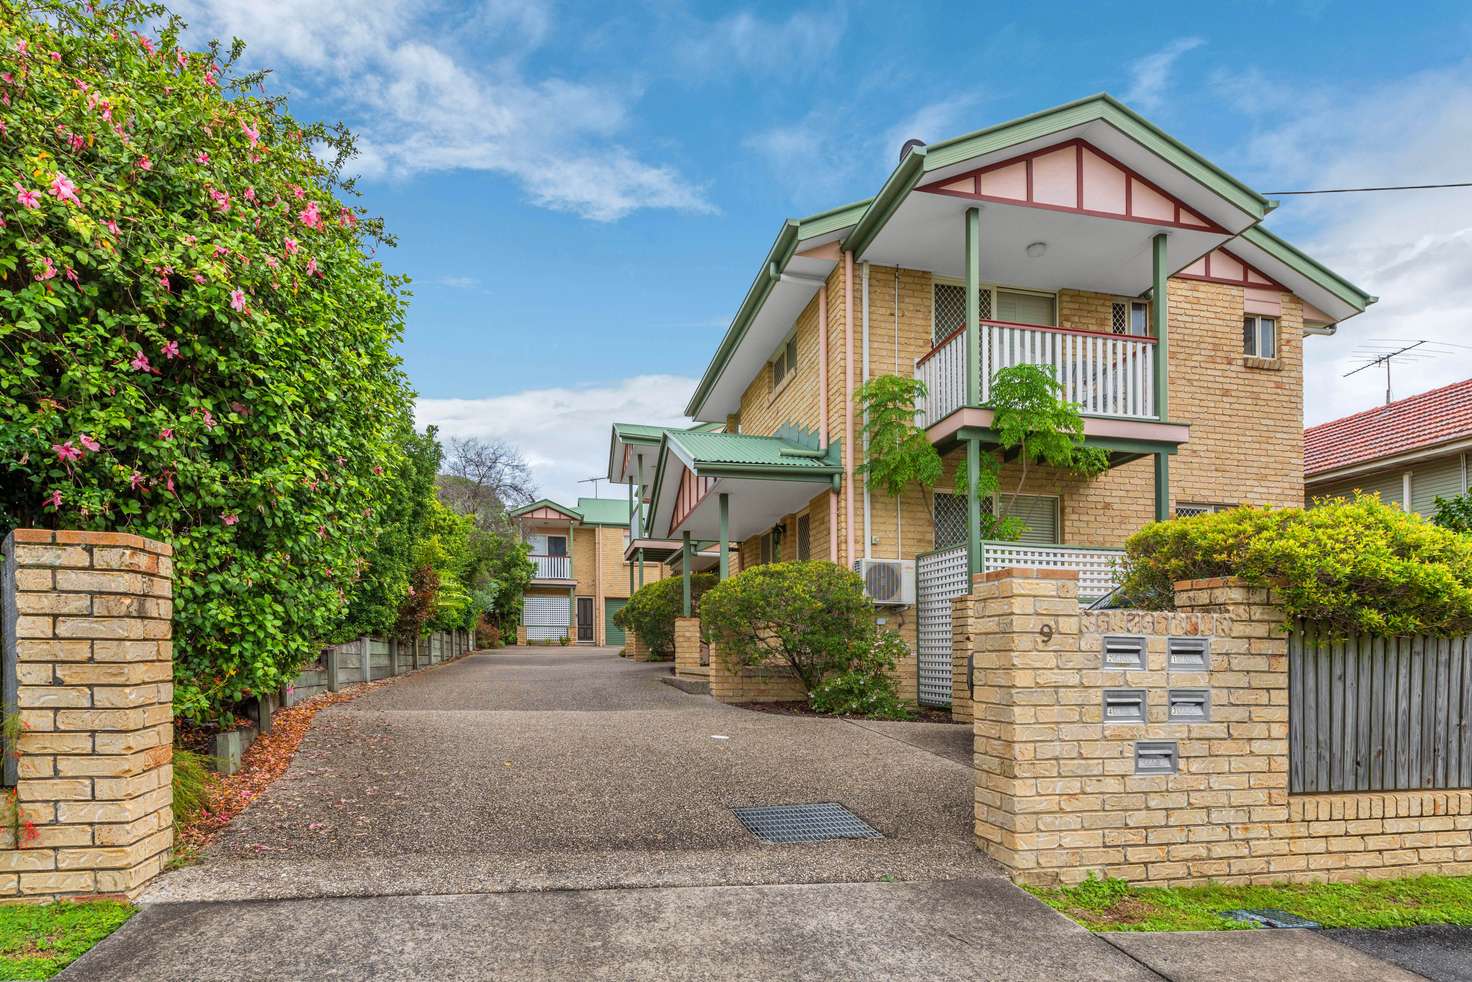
(1046, 633)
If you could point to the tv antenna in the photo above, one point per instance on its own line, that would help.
(595, 481)
(1387, 351)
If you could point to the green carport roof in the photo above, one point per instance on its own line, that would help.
(604, 511)
(709, 452)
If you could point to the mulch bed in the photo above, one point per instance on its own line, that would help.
(265, 761)
(923, 714)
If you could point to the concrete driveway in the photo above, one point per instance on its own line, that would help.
(556, 813)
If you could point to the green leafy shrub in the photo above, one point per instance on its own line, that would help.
(1350, 566)
(651, 611)
(866, 687)
(1455, 513)
(198, 341)
(811, 616)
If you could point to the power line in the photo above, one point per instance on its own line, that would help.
(1393, 187)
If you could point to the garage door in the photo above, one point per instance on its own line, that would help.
(546, 618)
(612, 633)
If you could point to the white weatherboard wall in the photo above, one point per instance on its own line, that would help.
(546, 618)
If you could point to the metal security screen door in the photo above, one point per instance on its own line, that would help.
(940, 577)
(585, 619)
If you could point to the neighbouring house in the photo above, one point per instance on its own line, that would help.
(582, 577)
(1081, 238)
(1409, 452)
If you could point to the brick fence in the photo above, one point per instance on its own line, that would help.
(1153, 747)
(692, 656)
(89, 670)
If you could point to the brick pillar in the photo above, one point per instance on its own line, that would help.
(687, 649)
(963, 610)
(93, 660)
(521, 634)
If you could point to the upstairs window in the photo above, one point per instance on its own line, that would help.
(804, 537)
(784, 363)
(949, 310)
(1026, 308)
(1260, 336)
(1130, 318)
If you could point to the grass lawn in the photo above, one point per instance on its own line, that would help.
(39, 940)
(1113, 905)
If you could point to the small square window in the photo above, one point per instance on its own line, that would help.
(784, 363)
(1260, 336)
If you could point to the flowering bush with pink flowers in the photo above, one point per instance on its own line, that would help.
(197, 340)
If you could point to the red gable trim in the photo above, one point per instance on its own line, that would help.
(1209, 274)
(1181, 215)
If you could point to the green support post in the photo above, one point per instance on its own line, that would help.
(1162, 486)
(973, 507)
(1159, 320)
(633, 528)
(973, 306)
(641, 568)
(725, 505)
(685, 573)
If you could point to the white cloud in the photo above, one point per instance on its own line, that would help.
(419, 106)
(1411, 248)
(745, 40)
(1150, 75)
(562, 432)
(458, 282)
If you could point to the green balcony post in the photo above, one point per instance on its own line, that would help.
(633, 531)
(1159, 320)
(973, 306)
(685, 572)
(1162, 486)
(973, 508)
(641, 568)
(724, 501)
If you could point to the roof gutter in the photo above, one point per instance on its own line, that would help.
(777, 258)
(901, 182)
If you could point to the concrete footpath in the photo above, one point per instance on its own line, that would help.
(562, 814)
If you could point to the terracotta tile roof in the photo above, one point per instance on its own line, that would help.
(1418, 421)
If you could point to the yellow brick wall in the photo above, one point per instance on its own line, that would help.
(767, 683)
(1057, 798)
(94, 667)
(599, 568)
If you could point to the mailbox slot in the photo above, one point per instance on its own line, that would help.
(1124, 705)
(1188, 654)
(1190, 705)
(1123, 654)
(1156, 757)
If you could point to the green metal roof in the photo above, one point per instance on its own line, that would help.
(544, 503)
(604, 511)
(715, 451)
(638, 431)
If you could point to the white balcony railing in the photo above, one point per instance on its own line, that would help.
(552, 567)
(1104, 374)
(1098, 569)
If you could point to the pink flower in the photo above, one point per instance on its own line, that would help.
(199, 278)
(239, 408)
(297, 191)
(112, 227)
(140, 362)
(201, 158)
(53, 500)
(209, 75)
(64, 189)
(250, 194)
(71, 274)
(169, 480)
(56, 56)
(146, 43)
(309, 216)
(29, 199)
(181, 58)
(143, 163)
(208, 417)
(167, 433)
(65, 451)
(22, 48)
(76, 141)
(190, 239)
(90, 443)
(291, 246)
(135, 480)
(378, 468)
(321, 531)
(346, 218)
(171, 349)
(312, 268)
(48, 271)
(253, 135)
(237, 300)
(221, 199)
(271, 261)
(228, 518)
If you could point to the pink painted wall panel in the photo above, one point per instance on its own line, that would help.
(1146, 202)
(966, 185)
(1103, 185)
(1224, 267)
(1055, 178)
(1198, 268)
(1006, 182)
(1187, 218)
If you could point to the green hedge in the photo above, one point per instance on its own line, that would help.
(651, 611)
(1350, 566)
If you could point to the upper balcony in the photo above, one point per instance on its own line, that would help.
(551, 567)
(1106, 375)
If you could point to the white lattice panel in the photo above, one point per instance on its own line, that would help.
(940, 577)
(546, 618)
(1098, 569)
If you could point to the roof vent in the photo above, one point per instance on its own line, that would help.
(908, 144)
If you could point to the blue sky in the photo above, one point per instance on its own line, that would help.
(582, 193)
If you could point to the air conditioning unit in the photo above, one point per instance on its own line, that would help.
(888, 582)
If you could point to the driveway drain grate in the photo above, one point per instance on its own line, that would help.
(804, 823)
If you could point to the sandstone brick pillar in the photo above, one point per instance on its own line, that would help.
(520, 636)
(963, 610)
(89, 670)
(687, 649)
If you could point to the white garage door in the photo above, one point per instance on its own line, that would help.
(545, 618)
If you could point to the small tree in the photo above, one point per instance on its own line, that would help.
(812, 616)
(651, 611)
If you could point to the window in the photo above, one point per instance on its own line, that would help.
(1025, 308)
(556, 545)
(950, 520)
(949, 311)
(764, 549)
(1130, 317)
(1260, 336)
(1187, 509)
(804, 537)
(1039, 514)
(784, 364)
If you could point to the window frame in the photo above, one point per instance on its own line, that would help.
(993, 291)
(1130, 304)
(786, 357)
(1255, 323)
